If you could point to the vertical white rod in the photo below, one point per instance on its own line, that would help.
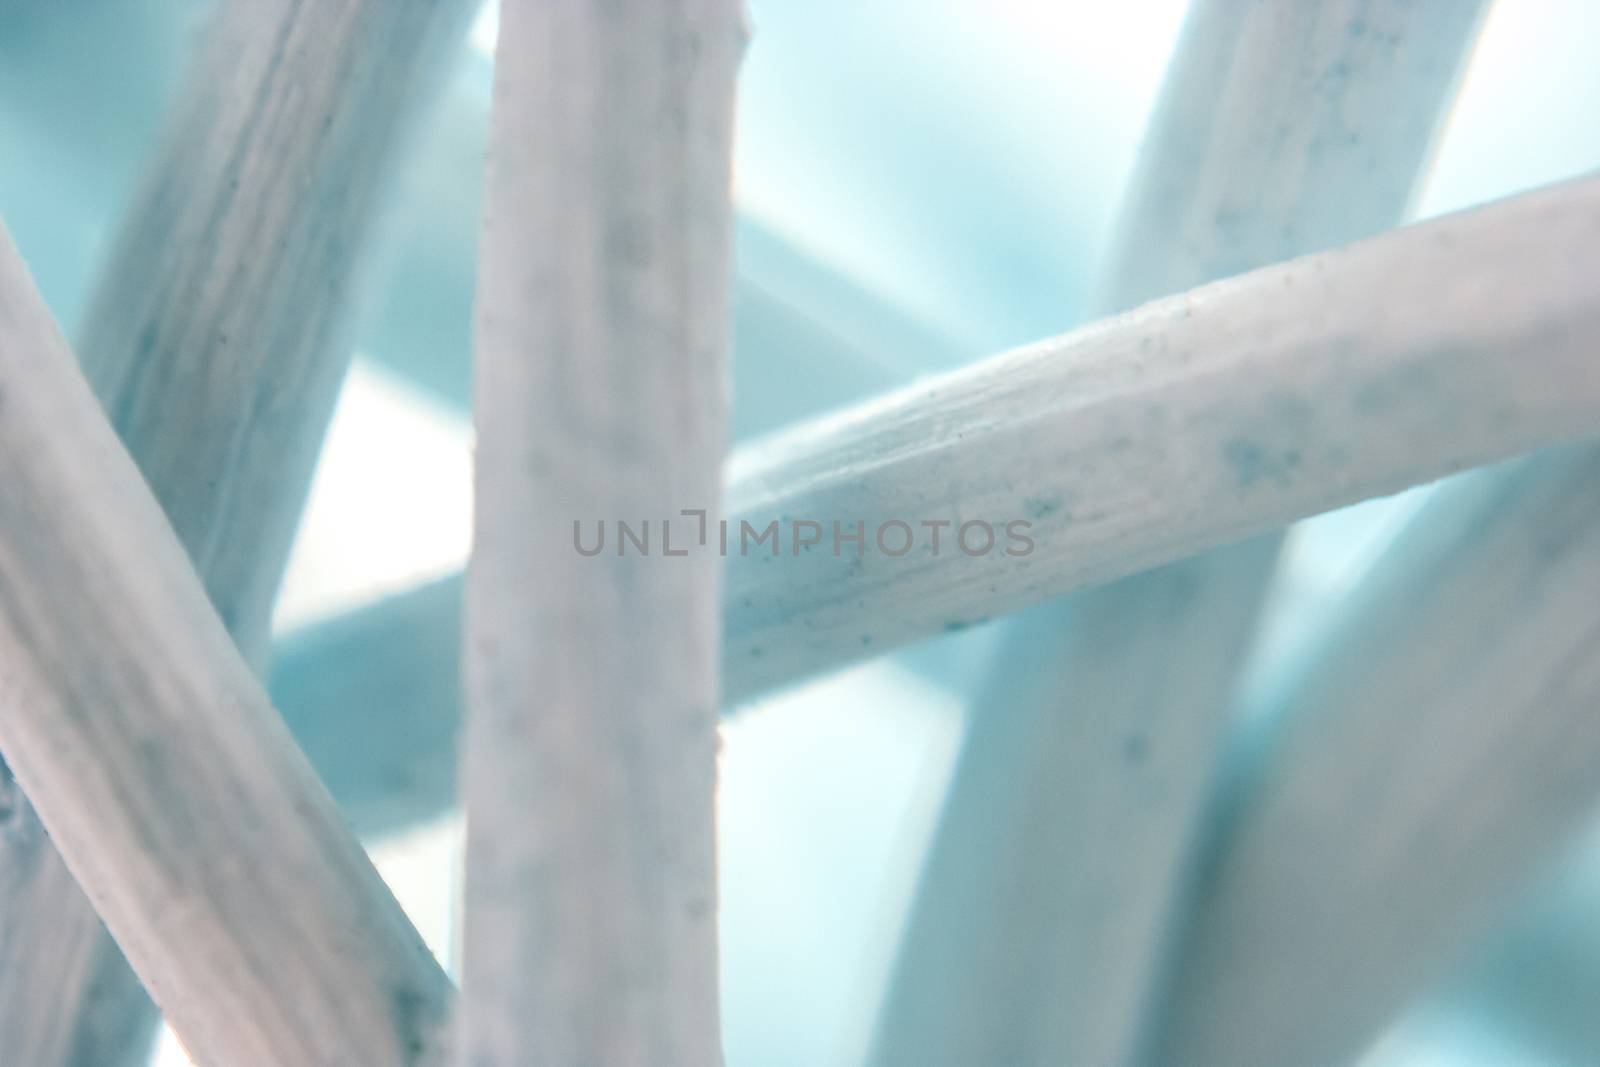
(592, 681)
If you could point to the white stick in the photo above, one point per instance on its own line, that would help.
(1058, 875)
(1284, 129)
(1454, 298)
(590, 762)
(230, 284)
(1191, 423)
(1443, 744)
(214, 339)
(164, 777)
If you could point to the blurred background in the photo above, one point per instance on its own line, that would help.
(918, 183)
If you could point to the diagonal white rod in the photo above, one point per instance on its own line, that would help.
(1190, 423)
(215, 342)
(591, 742)
(168, 783)
(1462, 300)
(1438, 750)
(245, 233)
(1058, 875)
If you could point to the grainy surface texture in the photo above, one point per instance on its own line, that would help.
(148, 748)
(1439, 748)
(214, 341)
(1062, 860)
(1193, 422)
(592, 681)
